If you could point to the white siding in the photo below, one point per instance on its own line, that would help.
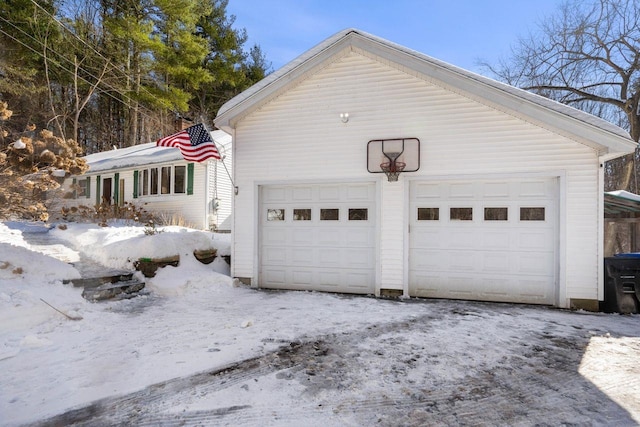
(224, 189)
(299, 137)
(392, 232)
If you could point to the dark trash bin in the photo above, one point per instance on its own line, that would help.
(621, 284)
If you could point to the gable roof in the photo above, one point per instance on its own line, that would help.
(143, 154)
(601, 135)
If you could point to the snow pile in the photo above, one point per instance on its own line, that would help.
(19, 264)
(32, 275)
(27, 279)
(121, 246)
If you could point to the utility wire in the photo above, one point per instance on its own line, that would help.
(103, 91)
(86, 44)
(55, 62)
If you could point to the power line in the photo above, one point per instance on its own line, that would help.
(86, 44)
(98, 81)
(51, 50)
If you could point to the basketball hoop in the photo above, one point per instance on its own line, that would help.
(392, 169)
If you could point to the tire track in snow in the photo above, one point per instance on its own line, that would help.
(387, 374)
(137, 407)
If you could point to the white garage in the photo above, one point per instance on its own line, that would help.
(365, 167)
(318, 237)
(491, 240)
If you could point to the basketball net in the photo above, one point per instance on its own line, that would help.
(392, 169)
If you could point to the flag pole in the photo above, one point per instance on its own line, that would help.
(235, 188)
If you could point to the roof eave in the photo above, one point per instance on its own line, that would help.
(604, 140)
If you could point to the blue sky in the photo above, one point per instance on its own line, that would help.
(455, 31)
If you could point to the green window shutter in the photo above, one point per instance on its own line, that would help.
(116, 188)
(98, 184)
(135, 184)
(190, 178)
(88, 190)
(75, 190)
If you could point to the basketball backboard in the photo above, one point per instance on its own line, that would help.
(399, 150)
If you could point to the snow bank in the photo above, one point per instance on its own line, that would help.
(171, 281)
(20, 263)
(31, 276)
(119, 246)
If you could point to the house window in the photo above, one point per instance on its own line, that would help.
(165, 181)
(144, 182)
(83, 188)
(428, 214)
(154, 181)
(461, 214)
(302, 214)
(275, 214)
(532, 214)
(179, 180)
(358, 214)
(329, 214)
(496, 214)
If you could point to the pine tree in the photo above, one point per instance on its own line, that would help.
(232, 68)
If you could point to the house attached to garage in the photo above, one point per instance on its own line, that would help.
(500, 199)
(159, 180)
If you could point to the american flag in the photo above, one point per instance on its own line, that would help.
(195, 144)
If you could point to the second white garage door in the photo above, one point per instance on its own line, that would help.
(318, 237)
(484, 240)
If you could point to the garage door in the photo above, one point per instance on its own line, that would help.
(318, 237)
(484, 240)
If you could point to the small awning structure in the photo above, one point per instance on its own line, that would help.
(621, 204)
(621, 222)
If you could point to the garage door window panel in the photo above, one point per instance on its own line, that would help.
(496, 214)
(461, 214)
(532, 214)
(275, 214)
(329, 214)
(358, 214)
(302, 214)
(428, 214)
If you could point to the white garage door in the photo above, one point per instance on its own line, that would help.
(318, 237)
(484, 240)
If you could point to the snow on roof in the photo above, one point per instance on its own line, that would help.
(273, 80)
(143, 154)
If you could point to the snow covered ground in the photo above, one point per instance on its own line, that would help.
(198, 349)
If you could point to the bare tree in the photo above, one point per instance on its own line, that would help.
(587, 56)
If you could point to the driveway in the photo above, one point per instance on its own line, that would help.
(447, 363)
